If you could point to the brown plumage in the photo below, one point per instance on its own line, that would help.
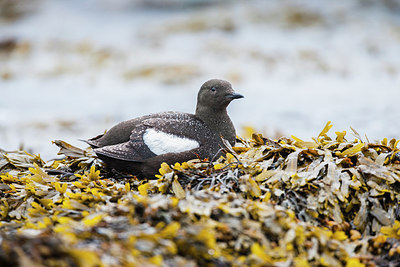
(140, 145)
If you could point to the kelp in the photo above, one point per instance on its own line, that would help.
(284, 202)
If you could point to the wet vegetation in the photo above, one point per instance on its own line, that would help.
(284, 202)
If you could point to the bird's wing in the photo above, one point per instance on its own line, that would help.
(176, 134)
(128, 151)
(120, 132)
(161, 135)
(93, 142)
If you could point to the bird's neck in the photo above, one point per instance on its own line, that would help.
(218, 121)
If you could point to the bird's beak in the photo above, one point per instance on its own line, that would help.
(234, 96)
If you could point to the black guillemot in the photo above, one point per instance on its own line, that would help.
(140, 145)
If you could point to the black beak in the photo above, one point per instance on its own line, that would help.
(234, 96)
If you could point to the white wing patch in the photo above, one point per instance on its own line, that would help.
(160, 143)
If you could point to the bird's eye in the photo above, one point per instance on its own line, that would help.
(213, 89)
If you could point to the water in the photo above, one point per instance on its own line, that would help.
(82, 67)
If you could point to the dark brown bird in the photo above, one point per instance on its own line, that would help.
(140, 145)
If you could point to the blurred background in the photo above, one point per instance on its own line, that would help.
(71, 69)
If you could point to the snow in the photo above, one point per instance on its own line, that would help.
(91, 64)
